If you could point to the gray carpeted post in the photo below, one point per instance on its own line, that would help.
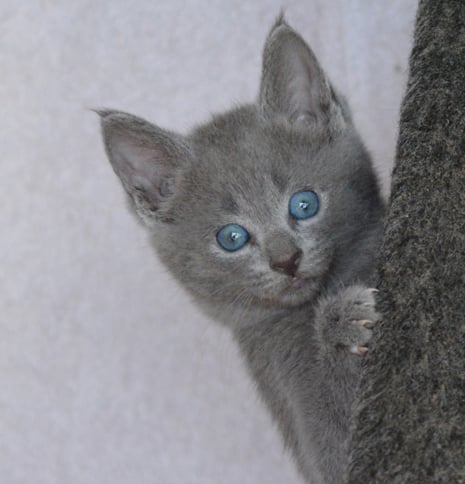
(410, 421)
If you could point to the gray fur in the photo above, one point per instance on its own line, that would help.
(242, 167)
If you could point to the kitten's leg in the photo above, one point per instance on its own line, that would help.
(343, 324)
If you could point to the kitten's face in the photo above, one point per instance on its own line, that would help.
(258, 205)
(263, 210)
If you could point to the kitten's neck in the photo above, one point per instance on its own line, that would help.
(240, 315)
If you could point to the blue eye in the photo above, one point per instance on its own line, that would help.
(303, 205)
(232, 237)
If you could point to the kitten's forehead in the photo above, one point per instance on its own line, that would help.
(240, 155)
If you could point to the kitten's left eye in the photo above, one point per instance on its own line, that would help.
(303, 205)
(232, 237)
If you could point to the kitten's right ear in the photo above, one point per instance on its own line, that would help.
(147, 160)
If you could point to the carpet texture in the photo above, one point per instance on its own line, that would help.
(411, 417)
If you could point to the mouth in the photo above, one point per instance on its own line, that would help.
(304, 286)
(296, 291)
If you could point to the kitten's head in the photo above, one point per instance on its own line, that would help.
(260, 204)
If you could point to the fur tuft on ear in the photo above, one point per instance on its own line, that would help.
(146, 159)
(294, 85)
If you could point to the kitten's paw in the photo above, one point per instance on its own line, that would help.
(345, 321)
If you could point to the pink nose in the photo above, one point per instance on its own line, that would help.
(288, 266)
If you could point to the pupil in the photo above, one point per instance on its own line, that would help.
(303, 205)
(234, 236)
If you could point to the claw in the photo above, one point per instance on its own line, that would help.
(359, 350)
(373, 290)
(365, 323)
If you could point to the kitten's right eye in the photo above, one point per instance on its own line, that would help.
(232, 237)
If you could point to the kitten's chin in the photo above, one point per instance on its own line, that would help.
(295, 293)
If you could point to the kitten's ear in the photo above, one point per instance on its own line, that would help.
(147, 160)
(293, 84)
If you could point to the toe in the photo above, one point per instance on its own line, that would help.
(359, 350)
(365, 323)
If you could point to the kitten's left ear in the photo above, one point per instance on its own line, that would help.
(294, 85)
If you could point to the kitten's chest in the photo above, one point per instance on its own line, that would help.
(280, 348)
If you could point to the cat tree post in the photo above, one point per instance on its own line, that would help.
(410, 421)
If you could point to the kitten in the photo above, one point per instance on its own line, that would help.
(270, 215)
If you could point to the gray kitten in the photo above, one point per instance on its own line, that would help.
(270, 216)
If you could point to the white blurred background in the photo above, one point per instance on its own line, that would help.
(108, 374)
